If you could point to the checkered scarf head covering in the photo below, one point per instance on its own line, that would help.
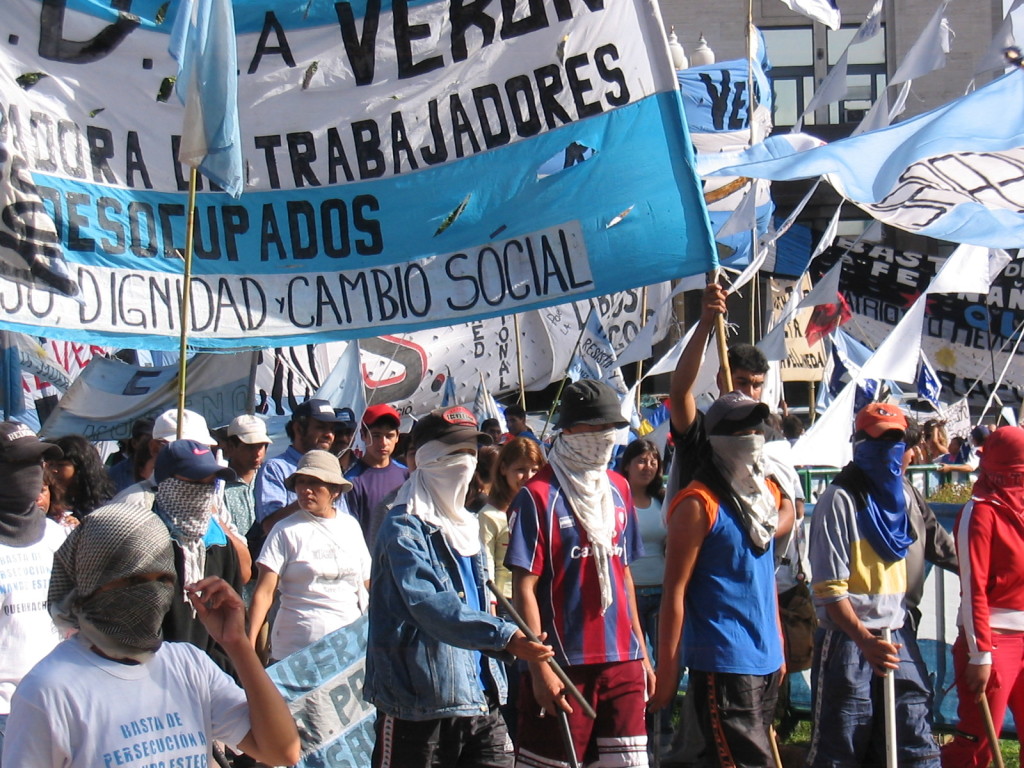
(117, 541)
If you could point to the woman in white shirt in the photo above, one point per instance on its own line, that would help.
(317, 560)
(641, 466)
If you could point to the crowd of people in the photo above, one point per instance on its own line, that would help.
(607, 584)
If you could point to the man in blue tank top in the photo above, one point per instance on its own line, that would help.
(719, 615)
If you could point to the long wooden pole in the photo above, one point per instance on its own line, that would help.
(723, 346)
(186, 296)
(570, 686)
(640, 363)
(519, 361)
(990, 729)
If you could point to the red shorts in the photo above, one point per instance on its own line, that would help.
(616, 691)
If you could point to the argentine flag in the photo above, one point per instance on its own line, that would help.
(203, 44)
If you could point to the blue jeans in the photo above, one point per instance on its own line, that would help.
(848, 706)
(648, 604)
(3, 728)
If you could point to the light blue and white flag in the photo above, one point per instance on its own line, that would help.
(203, 44)
(722, 116)
(12, 395)
(448, 396)
(323, 687)
(952, 173)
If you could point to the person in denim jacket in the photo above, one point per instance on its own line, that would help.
(433, 657)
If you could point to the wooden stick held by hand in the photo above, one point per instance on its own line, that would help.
(990, 729)
(570, 688)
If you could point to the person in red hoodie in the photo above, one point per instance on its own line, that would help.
(988, 655)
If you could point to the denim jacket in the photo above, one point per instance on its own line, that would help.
(420, 663)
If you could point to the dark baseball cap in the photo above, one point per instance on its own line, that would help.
(734, 412)
(191, 460)
(320, 410)
(590, 402)
(345, 417)
(454, 426)
(18, 444)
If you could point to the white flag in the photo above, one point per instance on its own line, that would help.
(744, 216)
(343, 387)
(486, 407)
(830, 234)
(929, 52)
(820, 10)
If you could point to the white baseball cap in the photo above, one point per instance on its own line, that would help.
(193, 427)
(251, 430)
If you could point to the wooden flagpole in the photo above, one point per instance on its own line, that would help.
(186, 295)
(519, 361)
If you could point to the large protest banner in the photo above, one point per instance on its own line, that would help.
(963, 333)
(407, 164)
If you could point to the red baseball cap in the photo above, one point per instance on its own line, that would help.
(375, 413)
(875, 419)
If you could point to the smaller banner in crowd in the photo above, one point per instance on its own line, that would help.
(323, 686)
(804, 361)
(109, 395)
(962, 331)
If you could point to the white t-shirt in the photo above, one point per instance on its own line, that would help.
(322, 565)
(76, 709)
(27, 632)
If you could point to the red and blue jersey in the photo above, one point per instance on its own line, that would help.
(546, 539)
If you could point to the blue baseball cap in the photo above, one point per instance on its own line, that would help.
(191, 460)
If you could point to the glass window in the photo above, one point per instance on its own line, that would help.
(790, 47)
(796, 70)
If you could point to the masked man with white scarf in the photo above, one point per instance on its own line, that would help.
(186, 501)
(719, 613)
(434, 653)
(573, 532)
(114, 692)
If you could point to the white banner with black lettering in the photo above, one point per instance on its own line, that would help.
(408, 164)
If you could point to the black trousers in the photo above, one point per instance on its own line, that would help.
(448, 742)
(734, 713)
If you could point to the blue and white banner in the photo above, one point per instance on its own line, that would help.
(109, 395)
(953, 173)
(323, 687)
(393, 157)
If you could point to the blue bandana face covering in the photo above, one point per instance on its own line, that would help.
(883, 520)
